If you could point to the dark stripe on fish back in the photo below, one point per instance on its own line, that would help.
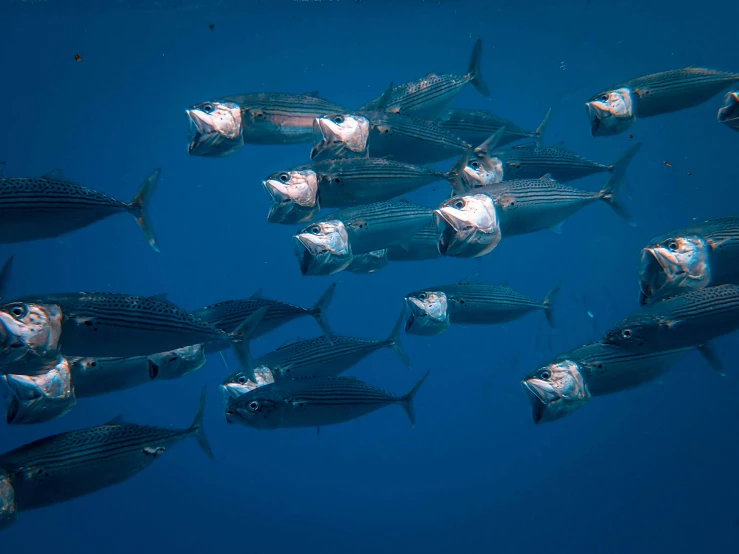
(318, 350)
(708, 303)
(421, 130)
(435, 87)
(375, 168)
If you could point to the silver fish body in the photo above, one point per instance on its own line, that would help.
(616, 109)
(121, 325)
(221, 127)
(728, 114)
(343, 183)
(475, 303)
(48, 207)
(565, 384)
(69, 465)
(379, 134)
(313, 402)
(423, 245)
(430, 96)
(476, 126)
(41, 397)
(228, 315)
(690, 319)
(95, 376)
(29, 337)
(697, 256)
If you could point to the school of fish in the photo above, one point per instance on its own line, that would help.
(58, 348)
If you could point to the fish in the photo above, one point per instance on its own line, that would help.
(76, 463)
(565, 384)
(42, 397)
(424, 245)
(314, 402)
(430, 96)
(428, 313)
(690, 319)
(5, 272)
(387, 135)
(96, 376)
(316, 357)
(103, 324)
(221, 127)
(475, 126)
(700, 255)
(371, 262)
(728, 114)
(467, 226)
(329, 244)
(29, 336)
(34, 208)
(8, 509)
(529, 161)
(470, 302)
(229, 314)
(304, 190)
(616, 109)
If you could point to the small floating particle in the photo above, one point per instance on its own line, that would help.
(668, 164)
(212, 26)
(631, 136)
(690, 173)
(77, 58)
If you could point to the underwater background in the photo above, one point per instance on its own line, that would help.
(655, 469)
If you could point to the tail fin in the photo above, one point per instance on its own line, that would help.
(5, 276)
(549, 304)
(616, 180)
(539, 133)
(197, 429)
(407, 399)
(393, 341)
(454, 175)
(241, 338)
(709, 354)
(139, 207)
(319, 310)
(474, 70)
(384, 100)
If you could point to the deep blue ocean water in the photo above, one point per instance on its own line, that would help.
(651, 470)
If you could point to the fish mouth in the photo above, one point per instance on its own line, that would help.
(653, 274)
(729, 113)
(305, 258)
(319, 130)
(208, 143)
(595, 119)
(540, 398)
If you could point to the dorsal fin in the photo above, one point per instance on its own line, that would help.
(384, 100)
(257, 295)
(162, 297)
(117, 420)
(55, 174)
(547, 178)
(288, 343)
(313, 93)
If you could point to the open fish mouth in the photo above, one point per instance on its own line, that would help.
(729, 113)
(539, 399)
(654, 274)
(595, 119)
(305, 257)
(207, 143)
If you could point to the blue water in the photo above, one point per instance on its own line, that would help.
(650, 470)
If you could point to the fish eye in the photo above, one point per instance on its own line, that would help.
(18, 311)
(474, 164)
(242, 380)
(546, 374)
(626, 333)
(339, 119)
(604, 98)
(459, 204)
(253, 406)
(284, 177)
(423, 296)
(208, 108)
(672, 246)
(316, 230)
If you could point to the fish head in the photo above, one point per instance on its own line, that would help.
(672, 266)
(428, 313)
(611, 112)
(482, 171)
(177, 363)
(43, 397)
(728, 114)
(237, 384)
(323, 248)
(257, 408)
(634, 331)
(340, 136)
(8, 507)
(555, 390)
(29, 329)
(468, 226)
(294, 196)
(215, 129)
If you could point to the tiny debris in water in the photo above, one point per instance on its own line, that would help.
(668, 164)
(77, 58)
